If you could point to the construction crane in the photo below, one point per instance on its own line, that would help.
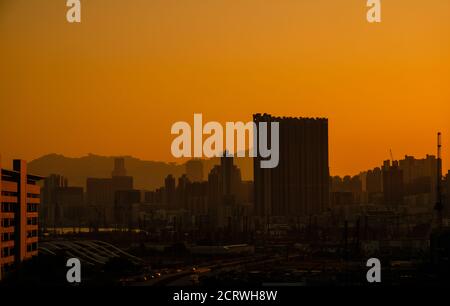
(438, 207)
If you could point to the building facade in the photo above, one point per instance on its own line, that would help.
(299, 185)
(393, 186)
(20, 199)
(126, 202)
(48, 211)
(71, 210)
(420, 176)
(62, 205)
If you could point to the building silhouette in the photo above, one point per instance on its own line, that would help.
(182, 192)
(299, 185)
(70, 206)
(155, 196)
(416, 189)
(372, 181)
(62, 205)
(119, 167)
(48, 211)
(169, 191)
(20, 199)
(197, 200)
(347, 190)
(420, 179)
(225, 182)
(393, 187)
(224, 188)
(100, 193)
(126, 206)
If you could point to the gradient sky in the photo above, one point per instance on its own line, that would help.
(114, 84)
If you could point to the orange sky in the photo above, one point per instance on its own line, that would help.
(114, 84)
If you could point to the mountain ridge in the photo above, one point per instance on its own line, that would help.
(147, 174)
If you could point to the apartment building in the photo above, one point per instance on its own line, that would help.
(19, 198)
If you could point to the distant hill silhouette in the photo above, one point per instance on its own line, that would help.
(147, 175)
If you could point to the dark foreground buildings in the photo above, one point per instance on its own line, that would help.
(19, 198)
(62, 205)
(447, 194)
(100, 193)
(299, 185)
(392, 184)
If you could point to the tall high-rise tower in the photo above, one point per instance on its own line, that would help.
(299, 185)
(119, 167)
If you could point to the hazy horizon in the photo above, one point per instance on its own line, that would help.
(7, 163)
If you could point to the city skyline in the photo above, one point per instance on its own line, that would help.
(244, 162)
(115, 83)
(225, 215)
(183, 161)
(211, 151)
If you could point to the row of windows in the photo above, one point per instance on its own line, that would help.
(32, 207)
(7, 222)
(33, 195)
(14, 194)
(32, 233)
(7, 236)
(9, 194)
(32, 221)
(32, 247)
(11, 207)
(8, 207)
(8, 251)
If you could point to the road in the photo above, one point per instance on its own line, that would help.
(183, 277)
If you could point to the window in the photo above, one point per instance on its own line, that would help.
(7, 252)
(9, 194)
(32, 221)
(32, 207)
(31, 247)
(8, 207)
(7, 237)
(7, 222)
(32, 233)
